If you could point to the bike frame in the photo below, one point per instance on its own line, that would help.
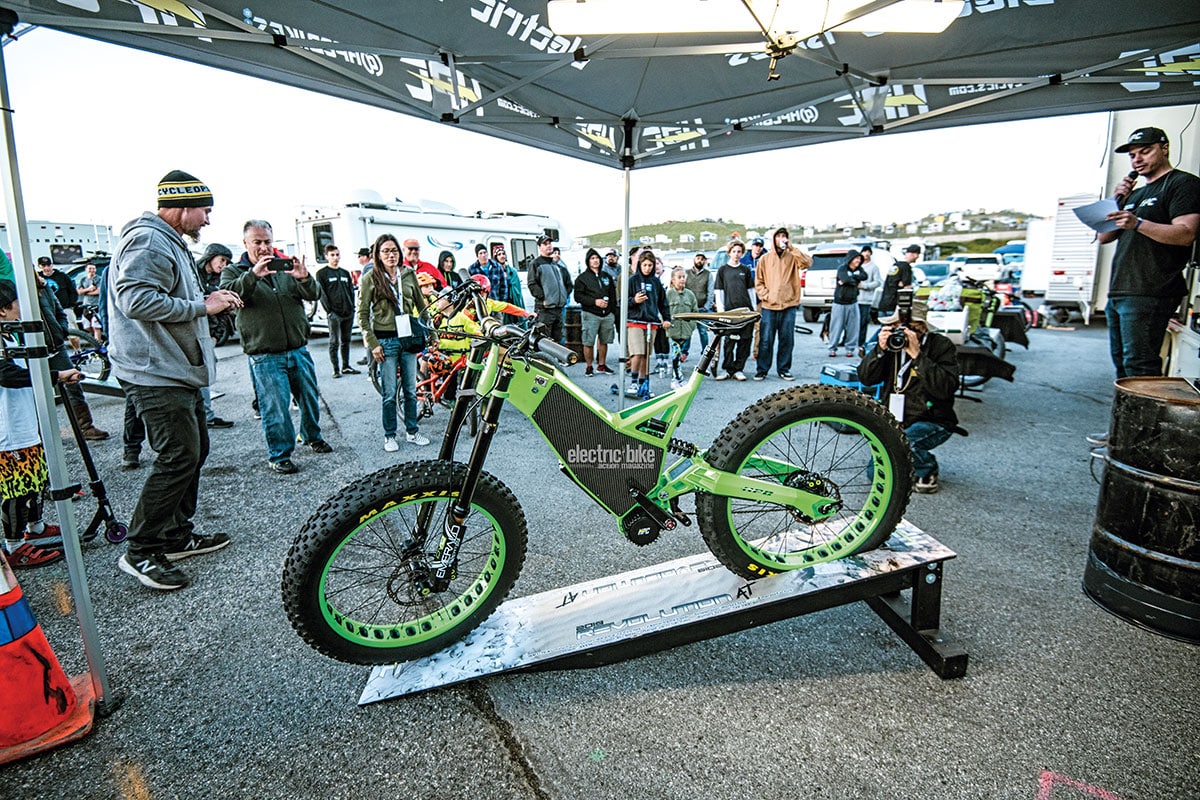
(628, 462)
(437, 388)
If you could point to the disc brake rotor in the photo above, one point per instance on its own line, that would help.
(817, 484)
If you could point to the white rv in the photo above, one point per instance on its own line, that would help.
(64, 242)
(436, 226)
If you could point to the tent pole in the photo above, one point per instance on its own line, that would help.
(623, 280)
(43, 392)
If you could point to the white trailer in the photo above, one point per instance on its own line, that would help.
(1039, 250)
(1071, 285)
(436, 226)
(64, 242)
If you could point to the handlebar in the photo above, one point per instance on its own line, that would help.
(555, 350)
(535, 337)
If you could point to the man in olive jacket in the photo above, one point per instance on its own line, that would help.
(273, 328)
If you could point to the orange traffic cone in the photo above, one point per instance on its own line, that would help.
(39, 707)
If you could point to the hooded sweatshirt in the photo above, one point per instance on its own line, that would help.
(210, 282)
(158, 325)
(777, 277)
(591, 286)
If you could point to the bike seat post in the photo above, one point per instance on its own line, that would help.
(708, 359)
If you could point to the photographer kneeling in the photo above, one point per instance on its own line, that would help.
(921, 367)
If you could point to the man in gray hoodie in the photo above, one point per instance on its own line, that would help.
(162, 354)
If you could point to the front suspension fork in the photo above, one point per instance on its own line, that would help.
(445, 560)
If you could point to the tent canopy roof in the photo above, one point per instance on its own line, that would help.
(493, 66)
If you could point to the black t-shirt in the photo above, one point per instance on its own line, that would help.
(736, 281)
(1142, 266)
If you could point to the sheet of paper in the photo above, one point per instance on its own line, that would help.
(1093, 215)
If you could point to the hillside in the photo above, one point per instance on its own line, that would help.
(969, 230)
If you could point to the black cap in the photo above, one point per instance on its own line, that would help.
(1143, 136)
(758, 241)
(8, 293)
(544, 238)
(612, 252)
(364, 251)
(481, 247)
(913, 248)
(43, 261)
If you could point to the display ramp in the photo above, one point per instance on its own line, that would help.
(687, 600)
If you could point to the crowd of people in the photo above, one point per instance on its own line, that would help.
(153, 301)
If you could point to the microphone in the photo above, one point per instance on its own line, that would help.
(1120, 198)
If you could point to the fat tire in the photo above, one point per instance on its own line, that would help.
(365, 519)
(779, 425)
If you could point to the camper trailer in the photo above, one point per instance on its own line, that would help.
(437, 226)
(64, 242)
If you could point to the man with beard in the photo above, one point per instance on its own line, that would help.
(162, 354)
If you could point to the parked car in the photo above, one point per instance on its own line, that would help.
(978, 266)
(933, 272)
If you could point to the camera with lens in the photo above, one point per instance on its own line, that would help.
(897, 340)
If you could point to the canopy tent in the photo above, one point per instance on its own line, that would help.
(494, 66)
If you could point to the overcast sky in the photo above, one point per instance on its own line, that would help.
(98, 125)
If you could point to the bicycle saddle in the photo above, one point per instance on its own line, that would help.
(722, 321)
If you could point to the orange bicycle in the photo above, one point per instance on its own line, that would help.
(436, 373)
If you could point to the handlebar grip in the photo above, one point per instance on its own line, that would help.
(555, 350)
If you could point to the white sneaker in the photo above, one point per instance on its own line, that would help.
(417, 439)
(739, 376)
(389, 444)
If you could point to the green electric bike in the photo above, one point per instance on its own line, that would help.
(407, 560)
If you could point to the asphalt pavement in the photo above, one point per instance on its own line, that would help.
(221, 699)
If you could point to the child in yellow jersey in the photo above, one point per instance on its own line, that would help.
(464, 324)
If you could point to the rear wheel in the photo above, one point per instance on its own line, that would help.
(811, 314)
(356, 583)
(862, 461)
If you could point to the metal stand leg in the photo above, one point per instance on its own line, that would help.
(919, 624)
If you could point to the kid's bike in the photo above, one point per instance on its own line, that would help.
(405, 561)
(436, 373)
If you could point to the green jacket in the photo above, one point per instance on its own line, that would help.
(273, 319)
(375, 313)
(681, 303)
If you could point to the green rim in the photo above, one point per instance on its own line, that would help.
(846, 533)
(470, 591)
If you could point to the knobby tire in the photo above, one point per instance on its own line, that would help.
(836, 436)
(348, 585)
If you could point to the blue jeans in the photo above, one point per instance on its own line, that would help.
(923, 437)
(1136, 327)
(779, 325)
(277, 378)
(406, 363)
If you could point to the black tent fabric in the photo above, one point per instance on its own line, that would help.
(494, 66)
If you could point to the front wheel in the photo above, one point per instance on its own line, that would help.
(356, 579)
(834, 441)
